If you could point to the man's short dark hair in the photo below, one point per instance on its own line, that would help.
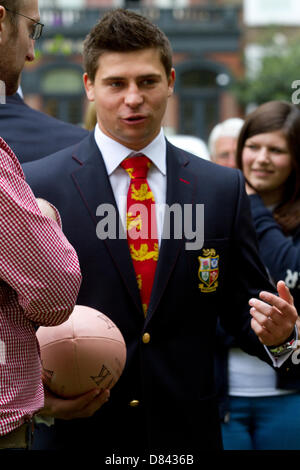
(123, 30)
(14, 7)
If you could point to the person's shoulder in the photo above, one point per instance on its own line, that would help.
(61, 164)
(42, 119)
(55, 162)
(51, 122)
(8, 158)
(223, 183)
(198, 163)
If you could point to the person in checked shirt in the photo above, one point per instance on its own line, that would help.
(39, 269)
(40, 278)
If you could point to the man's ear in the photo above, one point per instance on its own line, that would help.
(2, 12)
(89, 87)
(171, 82)
(3, 15)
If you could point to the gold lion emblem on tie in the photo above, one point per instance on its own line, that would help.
(142, 194)
(143, 253)
(134, 221)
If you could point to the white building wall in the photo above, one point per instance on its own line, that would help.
(276, 12)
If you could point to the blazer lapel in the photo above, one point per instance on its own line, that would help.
(180, 188)
(91, 168)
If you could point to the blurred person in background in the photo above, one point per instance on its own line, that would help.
(190, 143)
(30, 134)
(262, 411)
(222, 142)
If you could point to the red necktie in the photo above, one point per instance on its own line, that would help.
(141, 225)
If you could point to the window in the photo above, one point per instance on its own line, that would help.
(63, 94)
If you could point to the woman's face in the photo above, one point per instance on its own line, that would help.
(267, 164)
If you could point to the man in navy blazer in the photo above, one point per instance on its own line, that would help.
(32, 134)
(208, 264)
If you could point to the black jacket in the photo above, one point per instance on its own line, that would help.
(32, 134)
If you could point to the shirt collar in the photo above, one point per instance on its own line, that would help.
(114, 153)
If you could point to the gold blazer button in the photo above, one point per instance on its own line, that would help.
(134, 403)
(146, 338)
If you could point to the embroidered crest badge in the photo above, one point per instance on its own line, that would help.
(208, 272)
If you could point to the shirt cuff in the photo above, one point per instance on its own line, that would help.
(47, 420)
(278, 361)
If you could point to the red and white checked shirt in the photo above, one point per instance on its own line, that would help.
(39, 282)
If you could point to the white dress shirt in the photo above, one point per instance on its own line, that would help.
(114, 153)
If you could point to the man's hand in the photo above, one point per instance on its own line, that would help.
(46, 208)
(83, 406)
(273, 317)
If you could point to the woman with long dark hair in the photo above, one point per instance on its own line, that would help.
(264, 406)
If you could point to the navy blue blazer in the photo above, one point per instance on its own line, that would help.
(172, 376)
(32, 134)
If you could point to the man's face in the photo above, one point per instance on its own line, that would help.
(16, 47)
(131, 90)
(225, 151)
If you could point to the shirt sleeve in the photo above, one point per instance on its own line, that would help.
(36, 259)
(246, 273)
(279, 253)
